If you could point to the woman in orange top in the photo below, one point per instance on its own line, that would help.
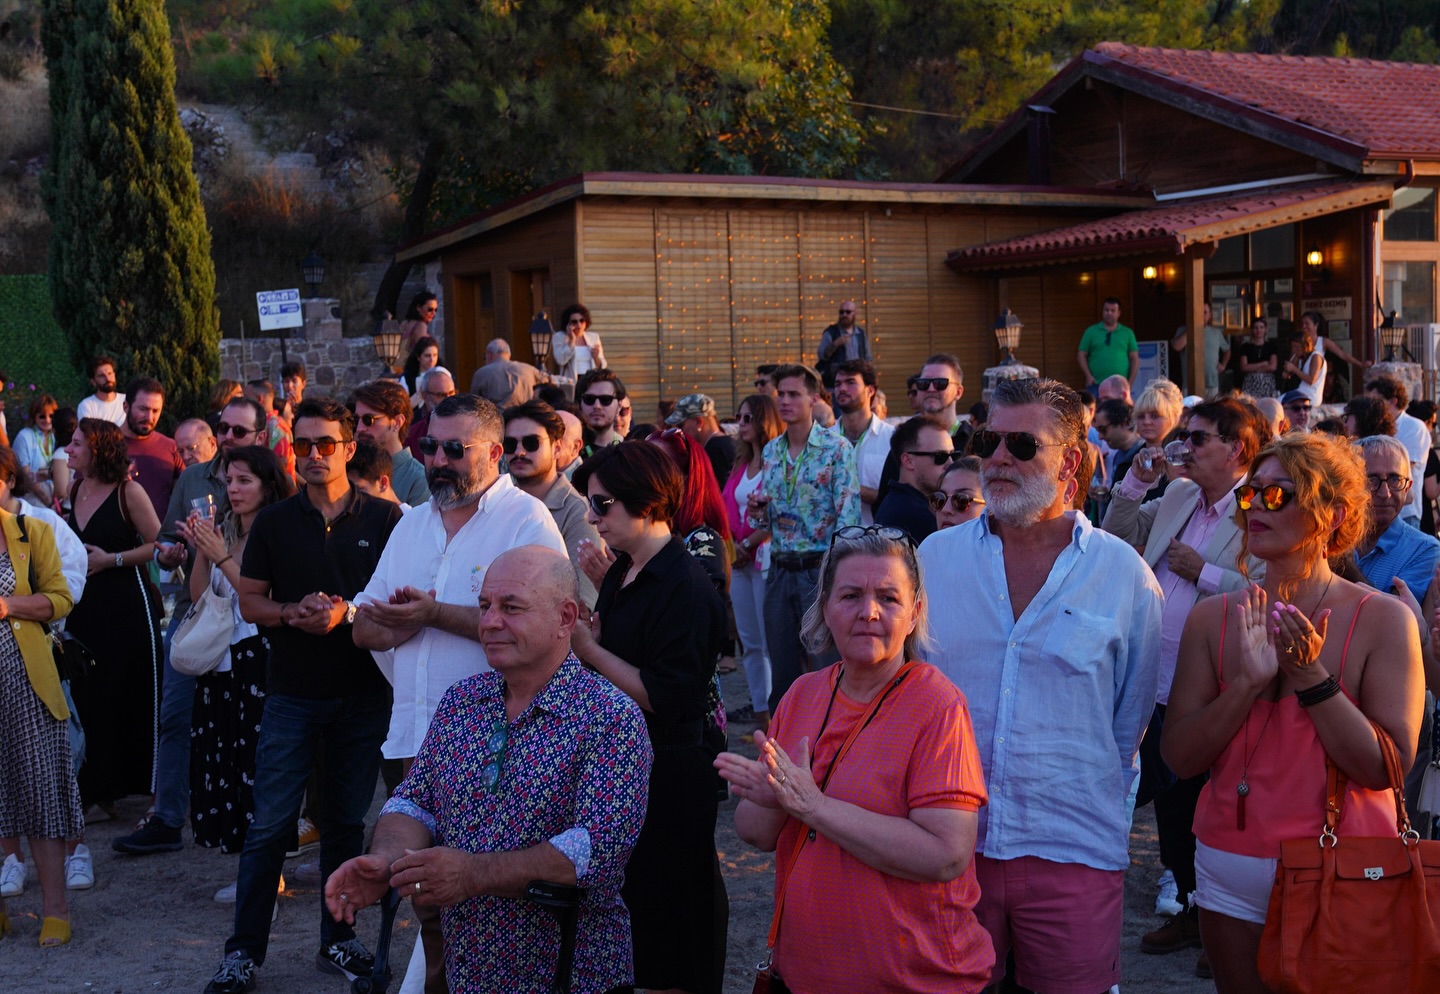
(867, 789)
(1262, 696)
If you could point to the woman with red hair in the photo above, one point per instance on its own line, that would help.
(701, 520)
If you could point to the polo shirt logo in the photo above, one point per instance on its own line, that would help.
(364, 543)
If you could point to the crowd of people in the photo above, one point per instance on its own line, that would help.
(511, 607)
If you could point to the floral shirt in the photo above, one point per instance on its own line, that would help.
(574, 770)
(280, 440)
(812, 496)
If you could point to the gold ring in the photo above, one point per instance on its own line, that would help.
(417, 886)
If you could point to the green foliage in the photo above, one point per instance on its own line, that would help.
(130, 269)
(35, 351)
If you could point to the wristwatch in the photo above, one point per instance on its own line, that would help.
(119, 560)
(349, 612)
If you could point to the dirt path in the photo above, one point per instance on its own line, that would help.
(150, 924)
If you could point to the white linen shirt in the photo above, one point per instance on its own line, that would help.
(870, 451)
(417, 555)
(1411, 432)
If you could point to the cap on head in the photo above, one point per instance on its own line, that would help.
(694, 405)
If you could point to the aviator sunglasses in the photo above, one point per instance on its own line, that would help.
(959, 503)
(1272, 498)
(1020, 444)
(940, 456)
(454, 448)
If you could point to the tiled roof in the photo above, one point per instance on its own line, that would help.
(1390, 108)
(1173, 227)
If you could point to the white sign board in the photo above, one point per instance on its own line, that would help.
(1330, 308)
(1154, 363)
(279, 309)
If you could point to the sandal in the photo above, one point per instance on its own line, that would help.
(54, 932)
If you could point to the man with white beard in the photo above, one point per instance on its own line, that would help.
(1056, 654)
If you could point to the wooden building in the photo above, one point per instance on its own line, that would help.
(1264, 184)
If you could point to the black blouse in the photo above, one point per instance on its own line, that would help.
(670, 624)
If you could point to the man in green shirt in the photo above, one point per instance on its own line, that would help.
(1108, 348)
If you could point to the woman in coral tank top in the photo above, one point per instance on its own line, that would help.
(1271, 681)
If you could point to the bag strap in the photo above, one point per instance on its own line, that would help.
(803, 837)
(1336, 782)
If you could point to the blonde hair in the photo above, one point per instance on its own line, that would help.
(1328, 473)
(816, 635)
(1164, 398)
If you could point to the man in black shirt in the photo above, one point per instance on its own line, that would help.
(921, 448)
(694, 414)
(306, 557)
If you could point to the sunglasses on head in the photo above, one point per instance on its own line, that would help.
(1020, 444)
(493, 764)
(530, 442)
(454, 448)
(853, 533)
(940, 456)
(1272, 498)
(601, 504)
(324, 446)
(603, 399)
(234, 431)
(958, 502)
(1197, 437)
(369, 419)
(940, 383)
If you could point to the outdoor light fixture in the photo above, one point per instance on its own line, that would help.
(1393, 339)
(540, 332)
(1314, 257)
(386, 341)
(1150, 273)
(1007, 336)
(313, 268)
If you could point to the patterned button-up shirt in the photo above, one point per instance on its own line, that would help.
(812, 495)
(574, 770)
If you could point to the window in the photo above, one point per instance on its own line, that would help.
(1410, 289)
(1412, 219)
(1273, 248)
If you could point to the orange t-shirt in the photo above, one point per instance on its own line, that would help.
(846, 926)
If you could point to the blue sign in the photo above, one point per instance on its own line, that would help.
(279, 309)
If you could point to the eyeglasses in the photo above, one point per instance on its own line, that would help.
(762, 383)
(958, 502)
(941, 456)
(531, 443)
(625, 409)
(454, 448)
(603, 399)
(369, 419)
(1398, 484)
(1272, 498)
(1295, 405)
(493, 763)
(744, 419)
(574, 321)
(1020, 444)
(601, 504)
(853, 533)
(940, 383)
(234, 431)
(324, 446)
(1100, 426)
(1198, 436)
(429, 310)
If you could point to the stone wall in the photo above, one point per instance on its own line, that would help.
(334, 364)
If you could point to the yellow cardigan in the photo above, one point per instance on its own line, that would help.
(31, 635)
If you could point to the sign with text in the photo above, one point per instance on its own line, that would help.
(279, 309)
(1330, 308)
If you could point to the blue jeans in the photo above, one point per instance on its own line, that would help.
(788, 595)
(172, 759)
(350, 731)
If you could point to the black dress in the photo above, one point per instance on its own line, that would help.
(223, 734)
(118, 620)
(670, 623)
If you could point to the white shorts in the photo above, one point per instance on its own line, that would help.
(1233, 885)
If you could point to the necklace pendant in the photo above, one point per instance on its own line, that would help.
(1242, 789)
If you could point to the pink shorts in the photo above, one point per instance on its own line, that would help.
(1062, 920)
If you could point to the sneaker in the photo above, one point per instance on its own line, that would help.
(153, 836)
(79, 870)
(1167, 901)
(308, 838)
(1180, 932)
(235, 976)
(12, 877)
(308, 874)
(349, 958)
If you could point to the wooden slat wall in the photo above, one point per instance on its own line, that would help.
(962, 308)
(618, 264)
(832, 269)
(692, 259)
(765, 295)
(900, 323)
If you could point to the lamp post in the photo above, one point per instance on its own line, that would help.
(1007, 336)
(386, 341)
(313, 269)
(540, 335)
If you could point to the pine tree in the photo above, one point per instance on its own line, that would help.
(130, 269)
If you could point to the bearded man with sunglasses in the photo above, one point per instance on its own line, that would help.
(1190, 540)
(306, 558)
(422, 599)
(599, 393)
(1056, 653)
(382, 415)
(922, 449)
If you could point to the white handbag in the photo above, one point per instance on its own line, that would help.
(202, 642)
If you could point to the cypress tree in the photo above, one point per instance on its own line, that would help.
(130, 269)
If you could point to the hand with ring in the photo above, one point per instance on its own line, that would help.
(795, 789)
(1298, 640)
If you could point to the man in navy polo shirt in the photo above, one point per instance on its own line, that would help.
(307, 557)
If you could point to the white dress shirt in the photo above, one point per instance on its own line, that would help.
(1412, 433)
(871, 448)
(417, 555)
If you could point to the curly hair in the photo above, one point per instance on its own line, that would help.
(109, 461)
(1329, 475)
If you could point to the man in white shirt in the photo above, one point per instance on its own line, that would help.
(854, 393)
(106, 402)
(422, 600)
(1411, 433)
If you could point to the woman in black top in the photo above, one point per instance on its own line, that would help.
(658, 627)
(1256, 360)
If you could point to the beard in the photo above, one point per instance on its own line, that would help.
(140, 430)
(1024, 507)
(448, 490)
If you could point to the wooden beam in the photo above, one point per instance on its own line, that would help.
(1193, 268)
